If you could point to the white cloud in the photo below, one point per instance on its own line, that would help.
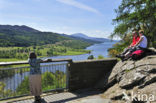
(79, 5)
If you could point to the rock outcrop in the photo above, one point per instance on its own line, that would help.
(132, 81)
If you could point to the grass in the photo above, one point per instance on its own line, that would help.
(22, 53)
(127, 70)
(9, 59)
(60, 54)
(74, 53)
(69, 52)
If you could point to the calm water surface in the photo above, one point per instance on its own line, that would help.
(96, 50)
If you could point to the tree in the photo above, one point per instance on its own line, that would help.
(139, 14)
(91, 57)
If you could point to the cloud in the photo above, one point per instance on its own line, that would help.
(79, 5)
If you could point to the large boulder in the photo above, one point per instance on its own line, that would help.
(132, 81)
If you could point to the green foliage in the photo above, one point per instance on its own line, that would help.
(120, 46)
(48, 79)
(21, 53)
(14, 52)
(91, 57)
(154, 44)
(21, 37)
(50, 52)
(134, 14)
(23, 88)
(101, 57)
(6, 73)
(24, 38)
(2, 85)
(75, 44)
(127, 70)
(139, 14)
(3, 92)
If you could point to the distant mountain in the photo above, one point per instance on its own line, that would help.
(22, 28)
(26, 36)
(81, 35)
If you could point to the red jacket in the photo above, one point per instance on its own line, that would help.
(135, 40)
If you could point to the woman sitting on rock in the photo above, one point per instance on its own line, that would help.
(130, 48)
(141, 44)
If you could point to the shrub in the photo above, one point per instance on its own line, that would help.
(91, 57)
(48, 79)
(101, 57)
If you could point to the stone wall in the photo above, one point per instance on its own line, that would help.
(86, 74)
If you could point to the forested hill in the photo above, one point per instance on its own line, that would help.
(23, 36)
(22, 28)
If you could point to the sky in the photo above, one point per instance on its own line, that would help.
(91, 17)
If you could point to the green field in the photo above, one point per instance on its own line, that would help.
(8, 54)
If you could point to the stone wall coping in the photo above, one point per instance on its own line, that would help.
(26, 62)
(87, 61)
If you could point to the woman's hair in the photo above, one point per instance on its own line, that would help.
(136, 34)
(141, 31)
(32, 55)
